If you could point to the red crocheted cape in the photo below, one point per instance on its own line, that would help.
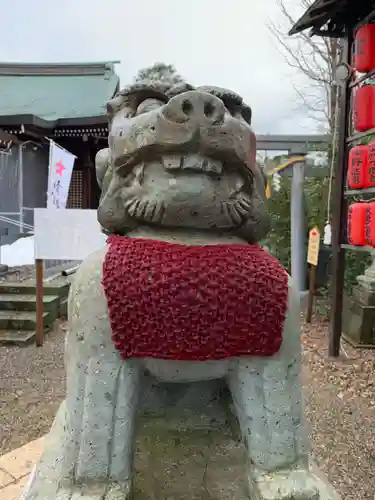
(183, 302)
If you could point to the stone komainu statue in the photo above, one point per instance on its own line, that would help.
(182, 291)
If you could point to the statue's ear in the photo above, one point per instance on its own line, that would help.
(101, 165)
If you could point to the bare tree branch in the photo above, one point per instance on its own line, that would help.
(303, 60)
(315, 59)
(306, 38)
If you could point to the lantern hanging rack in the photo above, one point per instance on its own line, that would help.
(362, 78)
(359, 192)
(341, 19)
(366, 248)
(360, 135)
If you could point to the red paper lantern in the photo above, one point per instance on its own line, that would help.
(358, 167)
(364, 48)
(370, 224)
(370, 180)
(364, 108)
(357, 224)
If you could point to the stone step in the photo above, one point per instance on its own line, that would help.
(22, 320)
(19, 302)
(58, 287)
(17, 337)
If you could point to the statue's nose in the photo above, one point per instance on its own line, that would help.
(195, 106)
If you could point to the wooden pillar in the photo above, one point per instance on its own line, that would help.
(339, 211)
(312, 290)
(39, 270)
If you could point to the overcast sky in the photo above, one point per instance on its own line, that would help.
(209, 41)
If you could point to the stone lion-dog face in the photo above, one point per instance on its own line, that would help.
(181, 157)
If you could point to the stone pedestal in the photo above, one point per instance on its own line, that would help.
(359, 311)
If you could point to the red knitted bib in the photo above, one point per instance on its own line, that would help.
(185, 302)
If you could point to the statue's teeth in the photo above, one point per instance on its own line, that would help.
(172, 162)
(213, 166)
(194, 162)
(133, 207)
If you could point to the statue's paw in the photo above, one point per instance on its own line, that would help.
(296, 484)
(98, 491)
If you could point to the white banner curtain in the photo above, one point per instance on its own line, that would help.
(60, 169)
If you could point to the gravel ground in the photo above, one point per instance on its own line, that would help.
(340, 399)
(32, 385)
(340, 407)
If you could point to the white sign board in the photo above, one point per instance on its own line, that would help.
(70, 234)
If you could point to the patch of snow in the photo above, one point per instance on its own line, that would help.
(276, 181)
(318, 158)
(20, 253)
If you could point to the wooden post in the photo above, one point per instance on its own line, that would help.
(312, 288)
(312, 259)
(339, 210)
(39, 271)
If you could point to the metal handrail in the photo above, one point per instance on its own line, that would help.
(16, 223)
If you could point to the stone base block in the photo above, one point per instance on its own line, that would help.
(364, 295)
(359, 322)
(188, 464)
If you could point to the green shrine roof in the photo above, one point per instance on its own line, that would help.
(52, 95)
